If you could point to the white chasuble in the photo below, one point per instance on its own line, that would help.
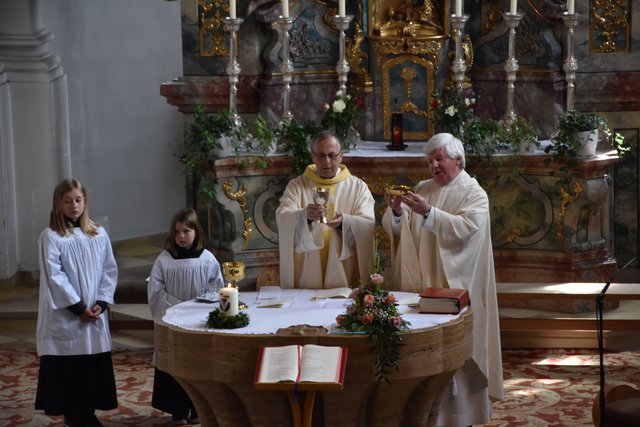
(314, 255)
(452, 248)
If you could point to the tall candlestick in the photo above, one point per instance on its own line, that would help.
(285, 8)
(232, 9)
(341, 8)
(571, 7)
(514, 7)
(458, 8)
(229, 301)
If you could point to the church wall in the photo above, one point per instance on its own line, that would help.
(124, 136)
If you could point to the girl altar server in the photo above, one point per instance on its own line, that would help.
(183, 271)
(78, 276)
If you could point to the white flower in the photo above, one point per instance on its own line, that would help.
(467, 102)
(339, 94)
(473, 101)
(338, 106)
(450, 111)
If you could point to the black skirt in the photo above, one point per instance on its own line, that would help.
(76, 384)
(169, 396)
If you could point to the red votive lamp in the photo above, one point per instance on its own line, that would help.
(396, 129)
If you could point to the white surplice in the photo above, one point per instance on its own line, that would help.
(73, 268)
(313, 255)
(452, 248)
(173, 281)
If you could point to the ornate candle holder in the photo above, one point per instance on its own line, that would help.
(511, 65)
(232, 25)
(570, 65)
(459, 66)
(283, 25)
(342, 67)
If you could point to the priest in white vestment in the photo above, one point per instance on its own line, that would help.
(340, 252)
(441, 237)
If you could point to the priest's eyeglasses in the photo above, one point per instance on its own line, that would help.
(330, 156)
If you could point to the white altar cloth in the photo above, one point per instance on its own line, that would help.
(298, 308)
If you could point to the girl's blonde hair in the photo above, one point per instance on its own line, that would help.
(188, 217)
(58, 222)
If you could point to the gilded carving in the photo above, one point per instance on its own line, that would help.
(402, 18)
(355, 55)
(212, 34)
(429, 48)
(609, 26)
(493, 17)
(567, 198)
(238, 196)
(409, 75)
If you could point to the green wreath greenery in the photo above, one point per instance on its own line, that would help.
(217, 320)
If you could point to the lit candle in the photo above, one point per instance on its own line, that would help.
(232, 9)
(571, 7)
(341, 8)
(229, 301)
(458, 8)
(285, 8)
(514, 7)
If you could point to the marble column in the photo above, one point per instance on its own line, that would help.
(34, 132)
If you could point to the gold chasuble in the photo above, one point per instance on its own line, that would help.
(314, 255)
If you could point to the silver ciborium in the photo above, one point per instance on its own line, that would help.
(233, 272)
(321, 197)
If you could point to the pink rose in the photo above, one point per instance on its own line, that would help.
(325, 107)
(396, 321)
(354, 293)
(369, 299)
(376, 278)
(390, 299)
(367, 319)
(340, 319)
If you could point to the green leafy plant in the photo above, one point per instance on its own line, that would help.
(375, 312)
(294, 138)
(479, 137)
(265, 135)
(518, 135)
(564, 143)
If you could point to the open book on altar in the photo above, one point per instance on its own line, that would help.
(443, 300)
(343, 292)
(297, 364)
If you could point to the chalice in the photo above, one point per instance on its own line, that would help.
(233, 271)
(321, 197)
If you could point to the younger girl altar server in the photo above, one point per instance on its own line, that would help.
(78, 276)
(183, 271)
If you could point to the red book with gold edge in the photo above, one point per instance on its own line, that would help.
(443, 300)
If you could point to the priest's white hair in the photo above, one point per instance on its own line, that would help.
(453, 146)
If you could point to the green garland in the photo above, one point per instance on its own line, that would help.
(217, 321)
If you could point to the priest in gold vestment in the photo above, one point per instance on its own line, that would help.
(441, 237)
(336, 254)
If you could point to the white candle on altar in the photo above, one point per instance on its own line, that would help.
(232, 9)
(342, 11)
(229, 300)
(285, 8)
(571, 7)
(458, 8)
(514, 7)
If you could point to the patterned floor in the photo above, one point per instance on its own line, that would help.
(542, 388)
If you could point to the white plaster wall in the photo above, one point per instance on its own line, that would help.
(124, 136)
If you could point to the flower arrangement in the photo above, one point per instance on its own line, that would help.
(374, 311)
(341, 115)
(451, 114)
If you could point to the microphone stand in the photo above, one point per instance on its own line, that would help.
(600, 327)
